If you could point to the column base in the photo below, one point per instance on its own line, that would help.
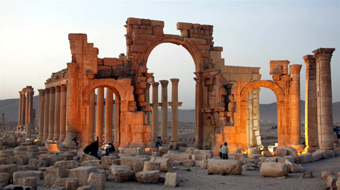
(310, 149)
(298, 147)
(70, 144)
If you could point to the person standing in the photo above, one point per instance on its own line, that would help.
(225, 150)
(158, 142)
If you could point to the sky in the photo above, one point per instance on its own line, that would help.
(34, 37)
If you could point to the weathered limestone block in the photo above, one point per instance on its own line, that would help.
(203, 164)
(307, 174)
(294, 168)
(237, 156)
(51, 174)
(4, 178)
(338, 183)
(68, 183)
(254, 151)
(9, 168)
(67, 164)
(331, 182)
(20, 150)
(28, 167)
(14, 187)
(232, 167)
(68, 156)
(325, 174)
(48, 158)
(86, 157)
(190, 150)
(137, 167)
(166, 163)
(286, 150)
(180, 157)
(267, 154)
(255, 156)
(91, 163)
(200, 157)
(250, 160)
(271, 159)
(86, 187)
(176, 163)
(82, 173)
(121, 174)
(28, 181)
(20, 159)
(289, 158)
(20, 174)
(96, 180)
(189, 163)
(104, 172)
(148, 176)
(37, 163)
(317, 156)
(108, 161)
(305, 158)
(273, 169)
(150, 166)
(172, 179)
(209, 153)
(328, 153)
(129, 160)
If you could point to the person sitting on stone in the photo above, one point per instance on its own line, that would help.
(224, 150)
(109, 148)
(158, 142)
(92, 149)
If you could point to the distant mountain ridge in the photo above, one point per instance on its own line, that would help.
(268, 112)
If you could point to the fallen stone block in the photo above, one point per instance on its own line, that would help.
(148, 176)
(68, 183)
(326, 173)
(338, 183)
(180, 157)
(166, 163)
(28, 181)
(267, 153)
(200, 157)
(255, 156)
(171, 179)
(137, 167)
(20, 159)
(85, 157)
(86, 187)
(317, 156)
(121, 174)
(331, 182)
(20, 174)
(67, 164)
(237, 156)
(271, 159)
(36, 162)
(96, 180)
(150, 166)
(176, 163)
(190, 150)
(307, 174)
(285, 151)
(254, 151)
(188, 163)
(209, 153)
(52, 174)
(232, 167)
(305, 158)
(68, 156)
(91, 163)
(328, 153)
(4, 178)
(82, 173)
(203, 164)
(129, 160)
(274, 169)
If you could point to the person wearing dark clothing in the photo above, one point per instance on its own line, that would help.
(158, 142)
(220, 151)
(92, 149)
(110, 148)
(75, 140)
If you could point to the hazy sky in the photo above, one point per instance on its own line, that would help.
(34, 37)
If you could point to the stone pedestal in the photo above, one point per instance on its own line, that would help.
(100, 115)
(46, 113)
(154, 132)
(108, 115)
(41, 113)
(324, 98)
(164, 112)
(311, 125)
(174, 110)
(295, 104)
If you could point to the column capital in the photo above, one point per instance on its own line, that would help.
(57, 88)
(62, 87)
(174, 81)
(164, 83)
(52, 90)
(148, 85)
(155, 84)
(47, 91)
(22, 93)
(323, 53)
(309, 60)
(295, 69)
(41, 92)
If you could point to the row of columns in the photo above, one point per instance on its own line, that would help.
(108, 102)
(164, 110)
(25, 118)
(52, 113)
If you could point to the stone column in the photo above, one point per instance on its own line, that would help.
(62, 113)
(324, 98)
(91, 117)
(19, 112)
(72, 105)
(46, 113)
(147, 99)
(29, 105)
(117, 118)
(100, 115)
(199, 130)
(174, 110)
(23, 109)
(108, 115)
(311, 123)
(41, 113)
(154, 133)
(295, 104)
(57, 114)
(164, 112)
(51, 114)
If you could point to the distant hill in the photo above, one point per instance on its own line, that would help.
(268, 112)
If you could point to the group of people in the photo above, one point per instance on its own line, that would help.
(92, 149)
(224, 150)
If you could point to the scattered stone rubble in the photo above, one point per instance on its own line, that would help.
(29, 164)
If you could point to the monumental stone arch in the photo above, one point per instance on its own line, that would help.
(221, 96)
